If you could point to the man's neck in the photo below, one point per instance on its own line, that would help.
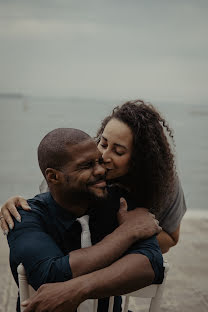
(72, 204)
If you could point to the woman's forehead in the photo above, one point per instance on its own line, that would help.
(118, 131)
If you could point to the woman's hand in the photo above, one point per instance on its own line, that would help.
(9, 209)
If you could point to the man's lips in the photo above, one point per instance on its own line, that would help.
(100, 183)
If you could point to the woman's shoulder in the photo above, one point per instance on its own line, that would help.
(174, 208)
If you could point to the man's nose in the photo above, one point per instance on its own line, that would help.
(99, 169)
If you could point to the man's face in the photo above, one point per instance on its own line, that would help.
(85, 172)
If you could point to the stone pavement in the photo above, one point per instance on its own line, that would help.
(8, 288)
(187, 283)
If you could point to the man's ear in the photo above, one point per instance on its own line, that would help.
(53, 176)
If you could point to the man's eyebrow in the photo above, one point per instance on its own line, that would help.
(115, 144)
(84, 162)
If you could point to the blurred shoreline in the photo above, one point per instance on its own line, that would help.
(25, 119)
(196, 214)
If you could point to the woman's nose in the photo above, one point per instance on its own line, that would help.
(106, 157)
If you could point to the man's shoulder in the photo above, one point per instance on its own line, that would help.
(39, 204)
(34, 220)
(40, 200)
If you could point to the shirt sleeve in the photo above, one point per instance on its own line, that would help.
(30, 245)
(171, 216)
(150, 248)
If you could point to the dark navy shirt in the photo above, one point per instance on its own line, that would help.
(42, 242)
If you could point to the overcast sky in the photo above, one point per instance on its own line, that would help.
(155, 49)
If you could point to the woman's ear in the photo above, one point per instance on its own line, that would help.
(53, 176)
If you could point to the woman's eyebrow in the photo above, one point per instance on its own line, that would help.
(119, 145)
(104, 138)
(115, 144)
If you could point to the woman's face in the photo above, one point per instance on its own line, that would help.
(116, 146)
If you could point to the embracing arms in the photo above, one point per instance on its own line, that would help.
(166, 239)
(133, 271)
(45, 262)
(134, 225)
(129, 273)
(139, 267)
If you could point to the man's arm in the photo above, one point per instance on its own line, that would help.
(45, 262)
(131, 272)
(32, 246)
(135, 225)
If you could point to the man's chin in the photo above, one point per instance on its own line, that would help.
(98, 193)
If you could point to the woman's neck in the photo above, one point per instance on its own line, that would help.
(124, 182)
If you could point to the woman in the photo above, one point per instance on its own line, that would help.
(134, 143)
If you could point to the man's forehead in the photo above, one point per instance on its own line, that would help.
(84, 151)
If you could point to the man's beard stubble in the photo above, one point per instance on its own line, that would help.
(86, 195)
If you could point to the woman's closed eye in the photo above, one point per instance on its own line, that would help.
(115, 150)
(103, 145)
(119, 153)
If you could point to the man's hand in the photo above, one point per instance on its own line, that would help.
(56, 297)
(9, 209)
(139, 221)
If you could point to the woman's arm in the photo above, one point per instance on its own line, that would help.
(9, 209)
(170, 219)
(167, 240)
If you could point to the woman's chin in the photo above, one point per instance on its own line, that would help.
(114, 177)
(110, 175)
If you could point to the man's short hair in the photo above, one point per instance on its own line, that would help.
(53, 150)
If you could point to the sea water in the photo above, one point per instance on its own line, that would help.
(24, 120)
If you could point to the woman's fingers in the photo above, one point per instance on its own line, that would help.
(23, 203)
(158, 224)
(7, 217)
(9, 209)
(12, 210)
(4, 225)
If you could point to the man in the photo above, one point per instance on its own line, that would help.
(48, 239)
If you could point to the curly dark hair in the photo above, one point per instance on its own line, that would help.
(152, 172)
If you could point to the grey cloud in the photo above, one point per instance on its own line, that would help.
(115, 47)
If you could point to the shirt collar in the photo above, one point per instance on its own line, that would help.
(65, 217)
